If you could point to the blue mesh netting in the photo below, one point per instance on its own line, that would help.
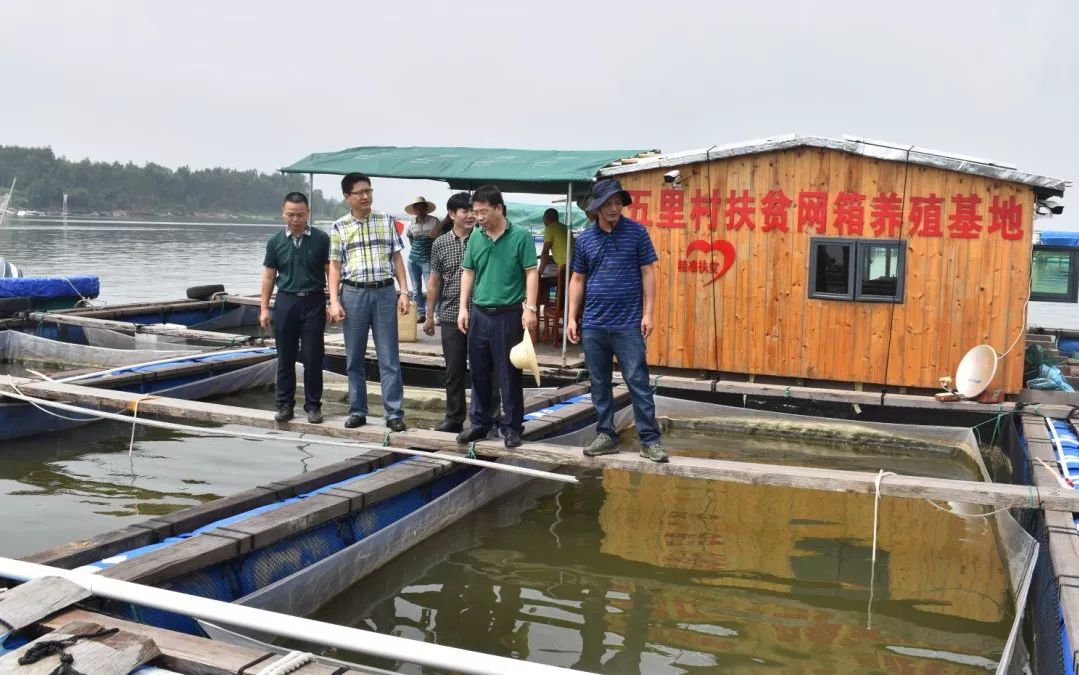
(1048, 643)
(276, 561)
(216, 582)
(374, 519)
(247, 574)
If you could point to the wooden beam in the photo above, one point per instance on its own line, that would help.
(187, 653)
(150, 329)
(28, 603)
(970, 492)
(865, 398)
(86, 551)
(115, 654)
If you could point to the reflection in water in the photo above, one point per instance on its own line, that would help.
(644, 573)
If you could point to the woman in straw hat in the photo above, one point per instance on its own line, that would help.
(421, 233)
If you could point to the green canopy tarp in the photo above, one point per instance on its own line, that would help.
(528, 171)
(531, 215)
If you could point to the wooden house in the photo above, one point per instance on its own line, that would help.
(837, 260)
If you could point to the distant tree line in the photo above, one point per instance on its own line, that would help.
(115, 188)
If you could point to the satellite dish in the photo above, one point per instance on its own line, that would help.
(976, 371)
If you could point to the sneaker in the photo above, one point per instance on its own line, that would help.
(450, 427)
(314, 415)
(654, 452)
(602, 444)
(284, 413)
(354, 421)
(473, 434)
(512, 438)
(395, 424)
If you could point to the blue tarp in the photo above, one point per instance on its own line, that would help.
(1059, 238)
(50, 287)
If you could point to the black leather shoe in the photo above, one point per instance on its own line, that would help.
(396, 424)
(284, 413)
(473, 434)
(354, 421)
(314, 415)
(450, 427)
(512, 438)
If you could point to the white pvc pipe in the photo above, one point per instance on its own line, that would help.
(296, 628)
(187, 428)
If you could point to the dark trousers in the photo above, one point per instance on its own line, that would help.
(490, 338)
(299, 323)
(455, 349)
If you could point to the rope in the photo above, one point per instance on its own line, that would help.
(873, 560)
(196, 431)
(386, 440)
(40, 650)
(966, 515)
(471, 451)
(11, 383)
(83, 301)
(288, 663)
(134, 416)
(251, 664)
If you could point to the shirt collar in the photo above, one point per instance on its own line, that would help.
(509, 226)
(306, 231)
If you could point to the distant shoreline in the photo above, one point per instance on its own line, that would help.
(162, 215)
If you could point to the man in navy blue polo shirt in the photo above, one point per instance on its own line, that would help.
(614, 274)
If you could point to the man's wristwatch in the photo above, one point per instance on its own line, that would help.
(531, 308)
(403, 293)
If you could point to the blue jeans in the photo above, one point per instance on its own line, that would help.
(599, 347)
(372, 310)
(419, 273)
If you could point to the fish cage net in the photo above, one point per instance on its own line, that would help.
(1044, 633)
(241, 576)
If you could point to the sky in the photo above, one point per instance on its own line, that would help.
(261, 84)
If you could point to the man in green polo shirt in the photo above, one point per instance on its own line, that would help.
(500, 267)
(297, 260)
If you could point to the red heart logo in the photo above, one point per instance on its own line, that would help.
(722, 245)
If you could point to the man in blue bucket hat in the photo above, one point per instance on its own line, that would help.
(614, 275)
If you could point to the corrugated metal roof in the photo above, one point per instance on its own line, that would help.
(1045, 185)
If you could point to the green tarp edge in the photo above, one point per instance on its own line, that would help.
(512, 170)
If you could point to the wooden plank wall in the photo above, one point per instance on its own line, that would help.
(758, 319)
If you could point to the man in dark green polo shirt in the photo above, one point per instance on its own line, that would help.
(297, 261)
(499, 276)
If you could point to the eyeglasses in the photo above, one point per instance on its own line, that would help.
(366, 192)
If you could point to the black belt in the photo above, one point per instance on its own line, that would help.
(497, 309)
(367, 284)
(317, 291)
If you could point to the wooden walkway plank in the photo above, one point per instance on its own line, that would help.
(116, 654)
(86, 551)
(187, 653)
(28, 603)
(970, 492)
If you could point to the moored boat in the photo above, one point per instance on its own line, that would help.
(183, 375)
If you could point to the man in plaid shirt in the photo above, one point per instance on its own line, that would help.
(365, 258)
